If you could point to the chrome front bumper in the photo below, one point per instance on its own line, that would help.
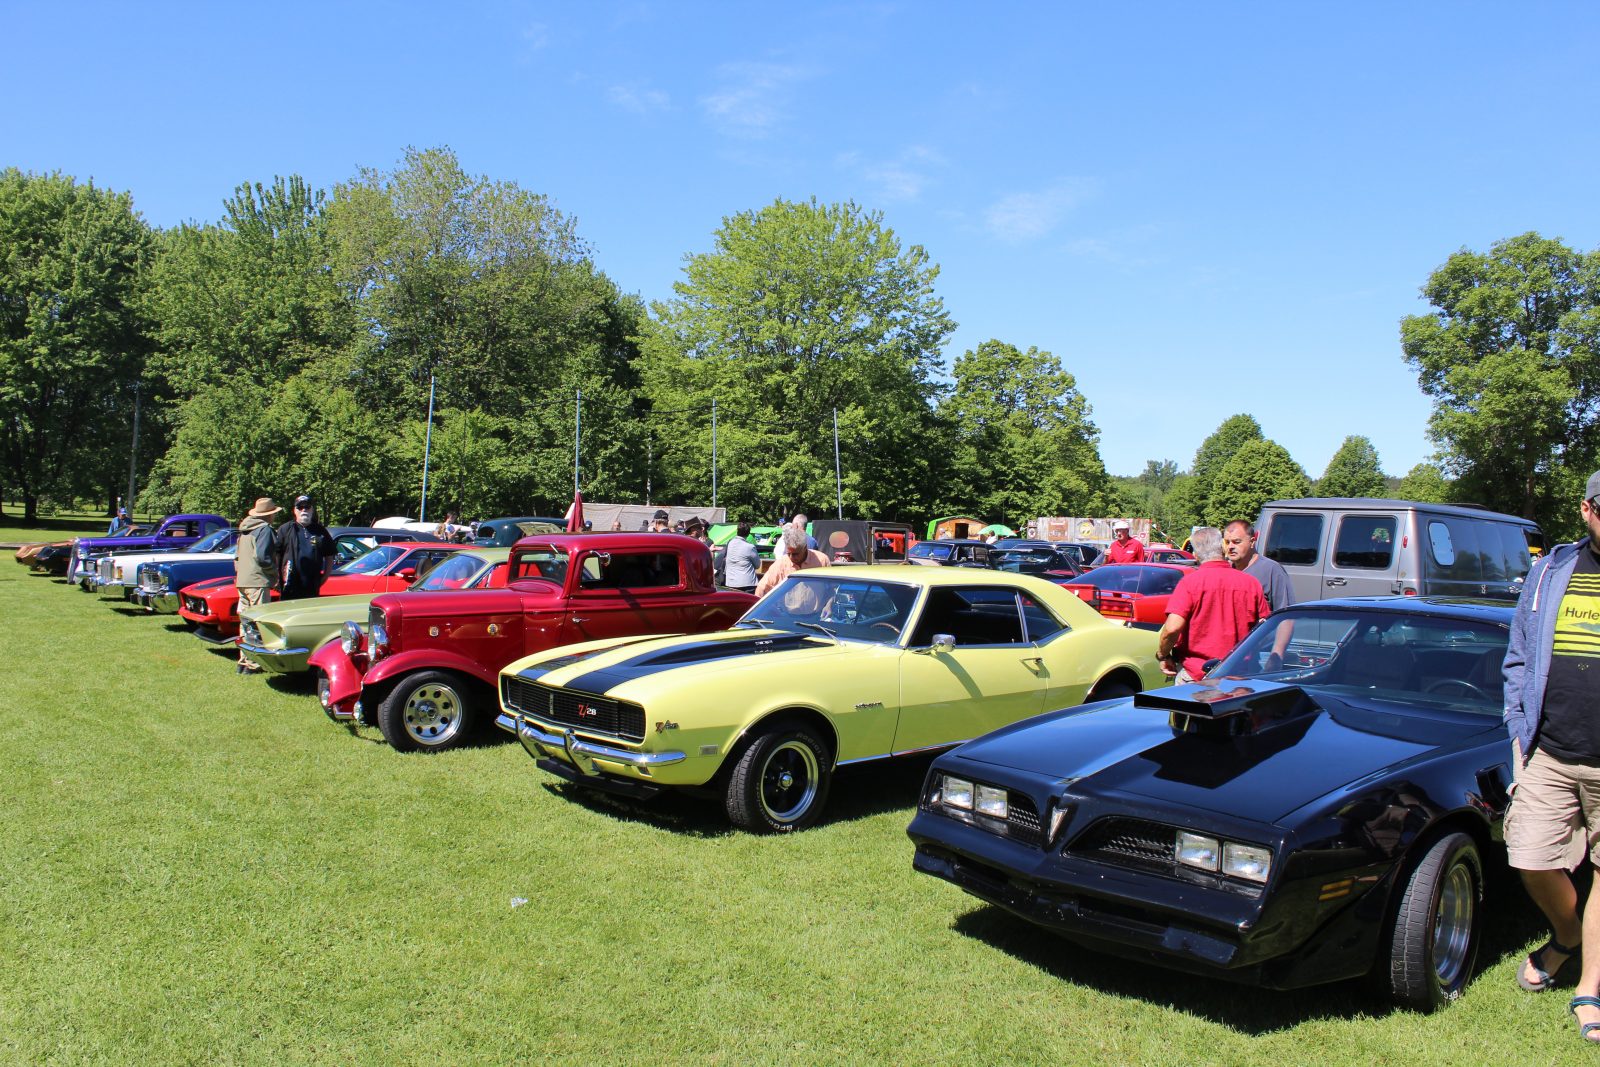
(579, 753)
(277, 660)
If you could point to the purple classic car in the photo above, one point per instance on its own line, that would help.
(174, 532)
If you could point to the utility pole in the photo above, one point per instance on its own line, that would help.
(427, 452)
(133, 453)
(838, 480)
(713, 451)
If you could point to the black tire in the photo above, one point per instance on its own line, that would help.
(429, 711)
(1433, 937)
(780, 781)
(1109, 689)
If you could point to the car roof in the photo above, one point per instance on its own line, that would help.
(1362, 503)
(1464, 608)
(914, 575)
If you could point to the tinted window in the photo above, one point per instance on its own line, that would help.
(1294, 540)
(1365, 542)
(1514, 556)
(637, 570)
(1452, 551)
(1158, 581)
(973, 616)
(929, 550)
(1041, 624)
(1114, 579)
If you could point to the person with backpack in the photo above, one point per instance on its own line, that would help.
(255, 564)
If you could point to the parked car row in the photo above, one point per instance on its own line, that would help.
(1318, 808)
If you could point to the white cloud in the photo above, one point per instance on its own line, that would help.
(753, 96)
(536, 35)
(902, 177)
(1027, 216)
(640, 101)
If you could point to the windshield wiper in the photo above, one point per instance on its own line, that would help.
(762, 623)
(820, 627)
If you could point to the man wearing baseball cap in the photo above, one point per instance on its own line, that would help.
(1553, 824)
(256, 564)
(1124, 547)
(306, 546)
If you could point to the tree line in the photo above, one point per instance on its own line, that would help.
(295, 345)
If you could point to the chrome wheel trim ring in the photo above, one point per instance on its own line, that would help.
(1452, 925)
(788, 781)
(432, 714)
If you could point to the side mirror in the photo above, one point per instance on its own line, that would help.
(940, 643)
(407, 573)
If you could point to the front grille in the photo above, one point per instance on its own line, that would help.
(149, 577)
(195, 604)
(591, 714)
(1129, 843)
(107, 569)
(1022, 821)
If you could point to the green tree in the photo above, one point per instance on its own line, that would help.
(1353, 470)
(73, 265)
(1426, 484)
(1510, 358)
(1159, 474)
(1025, 443)
(1258, 472)
(800, 310)
(1217, 450)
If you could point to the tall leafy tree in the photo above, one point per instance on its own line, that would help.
(1258, 472)
(73, 264)
(1185, 503)
(800, 310)
(1026, 444)
(1511, 360)
(1426, 484)
(1353, 470)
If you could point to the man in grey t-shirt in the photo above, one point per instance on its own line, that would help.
(742, 563)
(1239, 544)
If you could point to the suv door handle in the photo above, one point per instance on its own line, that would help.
(1336, 581)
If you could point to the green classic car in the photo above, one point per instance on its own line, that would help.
(282, 635)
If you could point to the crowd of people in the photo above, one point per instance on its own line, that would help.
(292, 559)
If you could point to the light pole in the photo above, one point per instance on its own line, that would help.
(427, 451)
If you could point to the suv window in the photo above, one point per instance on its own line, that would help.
(1294, 540)
(1513, 551)
(976, 615)
(1365, 542)
(1452, 550)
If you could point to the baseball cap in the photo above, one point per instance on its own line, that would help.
(1592, 490)
(1121, 524)
(662, 515)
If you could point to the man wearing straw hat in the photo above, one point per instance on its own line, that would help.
(255, 566)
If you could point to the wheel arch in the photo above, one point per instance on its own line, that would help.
(1122, 674)
(797, 714)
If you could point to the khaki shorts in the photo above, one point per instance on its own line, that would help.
(1554, 816)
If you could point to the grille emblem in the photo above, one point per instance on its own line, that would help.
(587, 711)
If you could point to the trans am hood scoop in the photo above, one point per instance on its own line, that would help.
(1253, 750)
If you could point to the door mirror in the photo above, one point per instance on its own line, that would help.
(940, 643)
(406, 573)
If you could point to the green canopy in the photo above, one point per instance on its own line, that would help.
(998, 529)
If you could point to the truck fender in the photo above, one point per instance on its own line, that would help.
(400, 664)
(344, 677)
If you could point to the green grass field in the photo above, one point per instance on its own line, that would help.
(199, 867)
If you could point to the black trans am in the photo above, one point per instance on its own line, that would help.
(1320, 807)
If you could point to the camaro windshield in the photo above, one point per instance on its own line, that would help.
(1449, 662)
(874, 611)
(373, 562)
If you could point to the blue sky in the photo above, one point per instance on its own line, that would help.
(1201, 209)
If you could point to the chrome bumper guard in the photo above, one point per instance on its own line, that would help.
(259, 650)
(580, 753)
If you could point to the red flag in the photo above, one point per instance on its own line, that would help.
(575, 514)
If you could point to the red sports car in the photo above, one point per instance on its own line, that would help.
(213, 606)
(1136, 592)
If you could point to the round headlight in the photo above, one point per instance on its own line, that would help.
(349, 638)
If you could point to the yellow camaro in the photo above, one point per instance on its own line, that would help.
(835, 666)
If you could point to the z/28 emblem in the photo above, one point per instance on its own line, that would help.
(587, 711)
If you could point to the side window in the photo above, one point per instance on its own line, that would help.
(973, 616)
(1453, 551)
(639, 570)
(1294, 540)
(1514, 556)
(1365, 542)
(1158, 581)
(1041, 624)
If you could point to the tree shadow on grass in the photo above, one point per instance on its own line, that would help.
(1510, 922)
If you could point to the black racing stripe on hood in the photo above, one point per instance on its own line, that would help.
(607, 678)
(539, 670)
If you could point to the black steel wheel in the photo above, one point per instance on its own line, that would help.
(780, 782)
(1433, 938)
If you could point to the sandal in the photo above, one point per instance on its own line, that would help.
(1584, 1029)
(1546, 979)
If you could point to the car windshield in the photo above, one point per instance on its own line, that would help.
(374, 562)
(856, 610)
(544, 562)
(1012, 559)
(928, 550)
(1447, 662)
(212, 542)
(455, 571)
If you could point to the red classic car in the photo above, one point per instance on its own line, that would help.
(426, 670)
(213, 606)
(1136, 592)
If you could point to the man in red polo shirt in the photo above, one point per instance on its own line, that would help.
(1124, 547)
(1209, 613)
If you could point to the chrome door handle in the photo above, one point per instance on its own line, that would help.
(578, 620)
(1035, 663)
(1336, 581)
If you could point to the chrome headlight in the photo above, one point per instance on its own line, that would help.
(349, 638)
(1250, 862)
(990, 801)
(955, 793)
(1197, 850)
(378, 627)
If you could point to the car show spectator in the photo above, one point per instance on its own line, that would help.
(800, 523)
(742, 563)
(118, 521)
(1210, 612)
(658, 524)
(255, 564)
(1124, 547)
(1549, 711)
(450, 529)
(305, 547)
(1239, 542)
(796, 556)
